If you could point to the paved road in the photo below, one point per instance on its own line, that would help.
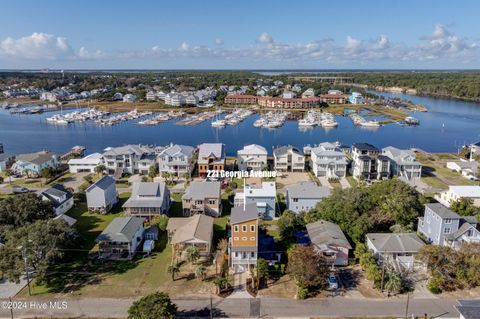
(253, 307)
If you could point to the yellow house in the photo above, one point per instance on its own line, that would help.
(243, 243)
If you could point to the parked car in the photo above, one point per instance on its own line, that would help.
(332, 282)
(20, 190)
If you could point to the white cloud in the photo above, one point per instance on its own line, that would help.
(36, 46)
(219, 41)
(265, 38)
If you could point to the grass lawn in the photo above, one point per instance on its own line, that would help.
(353, 182)
(335, 183)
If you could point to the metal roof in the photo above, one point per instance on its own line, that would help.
(308, 190)
(324, 232)
(121, 229)
(396, 242)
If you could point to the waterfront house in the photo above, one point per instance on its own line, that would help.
(252, 158)
(174, 99)
(211, 157)
(356, 98)
(475, 148)
(264, 197)
(129, 159)
(288, 159)
(243, 241)
(191, 100)
(308, 93)
(289, 94)
(102, 195)
(121, 238)
(148, 199)
(117, 96)
(129, 98)
(457, 192)
(329, 241)
(468, 169)
(328, 160)
(151, 96)
(33, 163)
(176, 159)
(195, 231)
(395, 249)
(403, 163)
(441, 226)
(202, 197)
(86, 164)
(368, 163)
(60, 197)
(6, 160)
(304, 196)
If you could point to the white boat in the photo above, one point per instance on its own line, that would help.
(260, 122)
(370, 123)
(306, 122)
(329, 123)
(62, 122)
(219, 123)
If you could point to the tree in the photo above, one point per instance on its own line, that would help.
(152, 172)
(88, 178)
(154, 306)
(173, 269)
(288, 223)
(100, 169)
(42, 242)
(186, 176)
(262, 270)
(192, 254)
(394, 283)
(162, 222)
(1, 180)
(306, 267)
(464, 207)
(201, 272)
(9, 173)
(47, 172)
(220, 283)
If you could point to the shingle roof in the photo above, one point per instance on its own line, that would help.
(326, 233)
(57, 190)
(308, 190)
(285, 149)
(203, 189)
(466, 191)
(469, 309)
(36, 158)
(210, 149)
(189, 228)
(103, 183)
(239, 214)
(178, 149)
(460, 231)
(121, 229)
(146, 194)
(365, 146)
(129, 149)
(396, 242)
(442, 211)
(253, 149)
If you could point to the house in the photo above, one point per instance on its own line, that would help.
(148, 199)
(102, 195)
(454, 193)
(176, 159)
(243, 241)
(396, 249)
(174, 99)
(368, 163)
(468, 169)
(356, 98)
(263, 197)
(191, 100)
(129, 98)
(289, 94)
(129, 159)
(468, 309)
(475, 148)
(290, 103)
(121, 238)
(308, 93)
(194, 231)
(60, 197)
(288, 159)
(403, 163)
(117, 96)
(304, 196)
(6, 160)
(252, 158)
(328, 240)
(86, 164)
(328, 160)
(211, 157)
(34, 163)
(151, 96)
(441, 226)
(202, 198)
(70, 221)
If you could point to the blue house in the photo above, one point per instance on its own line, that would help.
(264, 197)
(32, 163)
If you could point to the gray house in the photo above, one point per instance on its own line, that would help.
(121, 238)
(148, 199)
(441, 226)
(403, 163)
(329, 241)
(263, 197)
(102, 195)
(304, 196)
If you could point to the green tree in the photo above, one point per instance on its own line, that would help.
(220, 283)
(262, 271)
(173, 269)
(100, 169)
(154, 306)
(394, 283)
(152, 171)
(88, 178)
(162, 222)
(306, 267)
(191, 254)
(47, 172)
(9, 173)
(201, 272)
(465, 207)
(288, 223)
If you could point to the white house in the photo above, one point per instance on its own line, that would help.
(454, 193)
(288, 159)
(102, 195)
(468, 169)
(304, 196)
(310, 92)
(403, 163)
(252, 157)
(263, 196)
(86, 164)
(151, 96)
(60, 197)
(328, 160)
(289, 94)
(176, 159)
(129, 98)
(132, 159)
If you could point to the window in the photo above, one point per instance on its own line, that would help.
(448, 220)
(236, 254)
(428, 219)
(446, 230)
(244, 228)
(252, 254)
(244, 238)
(252, 238)
(244, 255)
(211, 202)
(235, 228)
(235, 238)
(295, 200)
(252, 228)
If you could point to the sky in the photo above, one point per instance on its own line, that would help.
(246, 34)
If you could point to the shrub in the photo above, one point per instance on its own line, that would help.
(435, 284)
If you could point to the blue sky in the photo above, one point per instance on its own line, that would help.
(228, 34)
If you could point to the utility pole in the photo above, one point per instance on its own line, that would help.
(211, 306)
(26, 270)
(406, 308)
(11, 307)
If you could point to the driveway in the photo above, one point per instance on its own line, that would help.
(324, 181)
(10, 289)
(344, 183)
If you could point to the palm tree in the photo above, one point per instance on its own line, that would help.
(165, 175)
(220, 282)
(100, 169)
(9, 173)
(173, 269)
(201, 272)
(394, 283)
(186, 176)
(192, 254)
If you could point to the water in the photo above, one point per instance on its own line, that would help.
(446, 126)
